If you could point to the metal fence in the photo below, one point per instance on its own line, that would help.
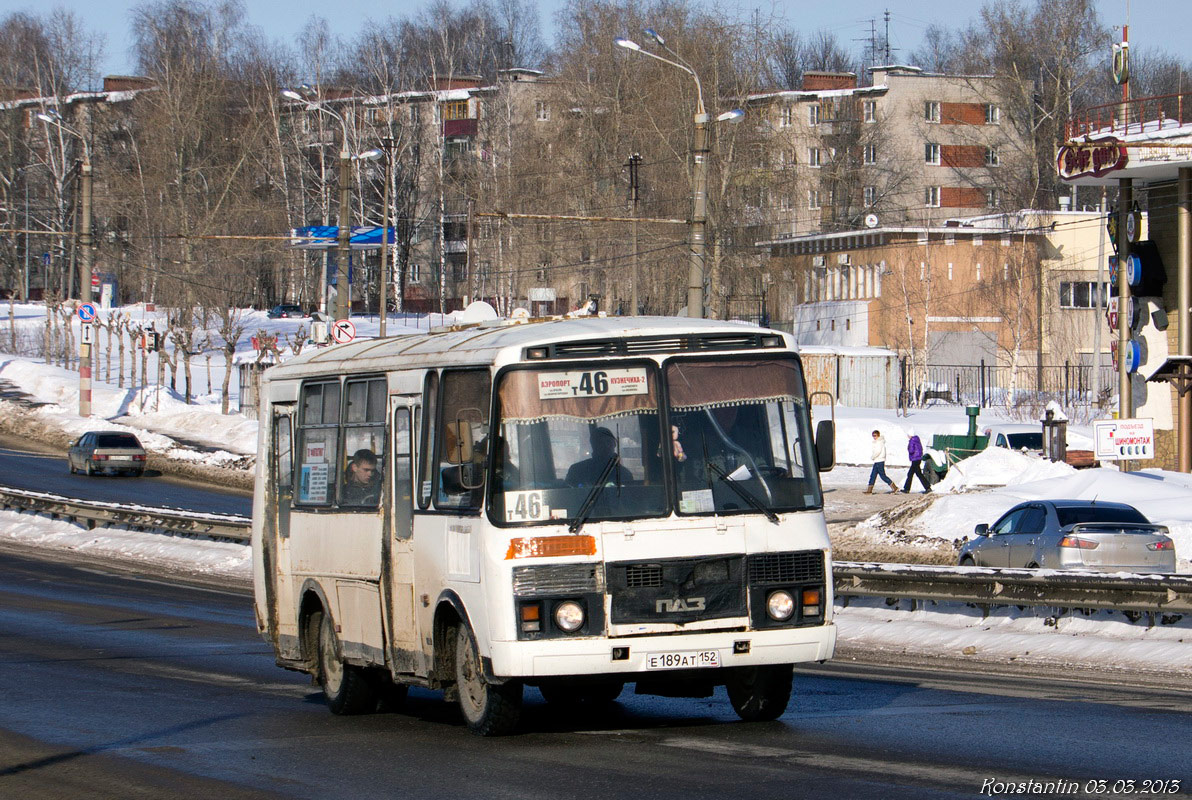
(985, 385)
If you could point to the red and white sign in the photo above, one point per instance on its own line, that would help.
(592, 383)
(343, 331)
(1124, 439)
(1096, 158)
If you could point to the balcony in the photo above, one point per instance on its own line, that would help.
(459, 127)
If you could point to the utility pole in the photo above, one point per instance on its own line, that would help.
(634, 164)
(699, 216)
(387, 144)
(343, 300)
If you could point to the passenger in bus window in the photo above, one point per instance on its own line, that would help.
(362, 481)
(603, 449)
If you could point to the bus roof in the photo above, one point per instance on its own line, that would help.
(489, 343)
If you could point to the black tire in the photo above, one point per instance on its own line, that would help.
(70, 465)
(489, 709)
(591, 695)
(346, 687)
(760, 694)
(89, 467)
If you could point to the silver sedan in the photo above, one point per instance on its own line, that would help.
(1072, 534)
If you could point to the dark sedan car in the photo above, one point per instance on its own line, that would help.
(98, 452)
(285, 311)
(1072, 534)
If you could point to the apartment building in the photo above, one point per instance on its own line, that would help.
(914, 148)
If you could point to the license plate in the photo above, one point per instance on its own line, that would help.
(121, 458)
(694, 659)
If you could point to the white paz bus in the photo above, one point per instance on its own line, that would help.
(572, 504)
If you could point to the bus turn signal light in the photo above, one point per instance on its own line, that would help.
(551, 547)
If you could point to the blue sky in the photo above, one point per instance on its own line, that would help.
(1155, 23)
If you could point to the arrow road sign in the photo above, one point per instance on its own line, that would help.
(87, 312)
(343, 331)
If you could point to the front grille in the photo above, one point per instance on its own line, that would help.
(800, 567)
(636, 345)
(557, 579)
(643, 576)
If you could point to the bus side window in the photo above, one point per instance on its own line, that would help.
(318, 443)
(463, 440)
(364, 442)
(430, 399)
(403, 501)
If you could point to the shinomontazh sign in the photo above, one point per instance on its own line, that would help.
(1122, 439)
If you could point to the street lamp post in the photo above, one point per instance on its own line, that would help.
(85, 240)
(699, 176)
(343, 305)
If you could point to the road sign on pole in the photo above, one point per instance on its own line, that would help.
(343, 331)
(87, 312)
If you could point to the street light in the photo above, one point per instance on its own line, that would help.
(343, 306)
(699, 157)
(52, 117)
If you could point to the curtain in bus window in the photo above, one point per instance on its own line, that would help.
(364, 443)
(719, 383)
(463, 448)
(318, 443)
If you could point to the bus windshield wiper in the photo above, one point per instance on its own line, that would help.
(585, 510)
(741, 491)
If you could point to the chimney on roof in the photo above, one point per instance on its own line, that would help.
(126, 83)
(815, 80)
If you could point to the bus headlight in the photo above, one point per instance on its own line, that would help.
(780, 605)
(569, 616)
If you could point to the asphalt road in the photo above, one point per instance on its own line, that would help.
(123, 686)
(26, 469)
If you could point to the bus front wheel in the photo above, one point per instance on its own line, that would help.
(346, 687)
(760, 694)
(489, 709)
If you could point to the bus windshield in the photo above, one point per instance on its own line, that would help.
(741, 439)
(578, 440)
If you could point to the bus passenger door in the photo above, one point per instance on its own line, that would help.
(405, 655)
(278, 584)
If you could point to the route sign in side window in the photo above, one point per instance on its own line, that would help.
(318, 443)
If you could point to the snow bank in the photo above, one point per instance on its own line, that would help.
(998, 466)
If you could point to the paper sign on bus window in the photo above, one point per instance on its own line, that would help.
(592, 383)
(526, 507)
(316, 453)
(312, 484)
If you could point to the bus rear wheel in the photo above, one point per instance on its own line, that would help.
(489, 709)
(760, 694)
(346, 687)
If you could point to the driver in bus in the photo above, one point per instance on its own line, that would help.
(603, 448)
(362, 480)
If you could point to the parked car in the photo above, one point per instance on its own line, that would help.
(285, 311)
(1072, 534)
(1015, 437)
(98, 452)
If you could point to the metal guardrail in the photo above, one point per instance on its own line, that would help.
(1149, 594)
(92, 513)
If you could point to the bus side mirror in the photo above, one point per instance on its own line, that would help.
(458, 447)
(825, 445)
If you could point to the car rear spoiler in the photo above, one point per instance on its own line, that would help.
(1103, 527)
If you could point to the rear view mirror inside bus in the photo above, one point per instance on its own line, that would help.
(825, 445)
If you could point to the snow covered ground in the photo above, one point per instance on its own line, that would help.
(978, 490)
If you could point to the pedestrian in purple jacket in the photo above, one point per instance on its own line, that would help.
(914, 450)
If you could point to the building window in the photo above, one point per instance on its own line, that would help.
(949, 239)
(1081, 294)
(415, 273)
(786, 158)
(978, 271)
(869, 110)
(869, 154)
(814, 157)
(931, 153)
(949, 270)
(931, 111)
(931, 196)
(1005, 241)
(870, 196)
(541, 111)
(993, 114)
(813, 199)
(991, 159)
(455, 109)
(813, 114)
(993, 199)
(784, 117)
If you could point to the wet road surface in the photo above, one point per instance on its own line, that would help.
(134, 687)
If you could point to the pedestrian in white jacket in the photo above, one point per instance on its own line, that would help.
(878, 454)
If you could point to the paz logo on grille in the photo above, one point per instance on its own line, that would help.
(679, 604)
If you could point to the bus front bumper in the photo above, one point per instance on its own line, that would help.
(603, 655)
